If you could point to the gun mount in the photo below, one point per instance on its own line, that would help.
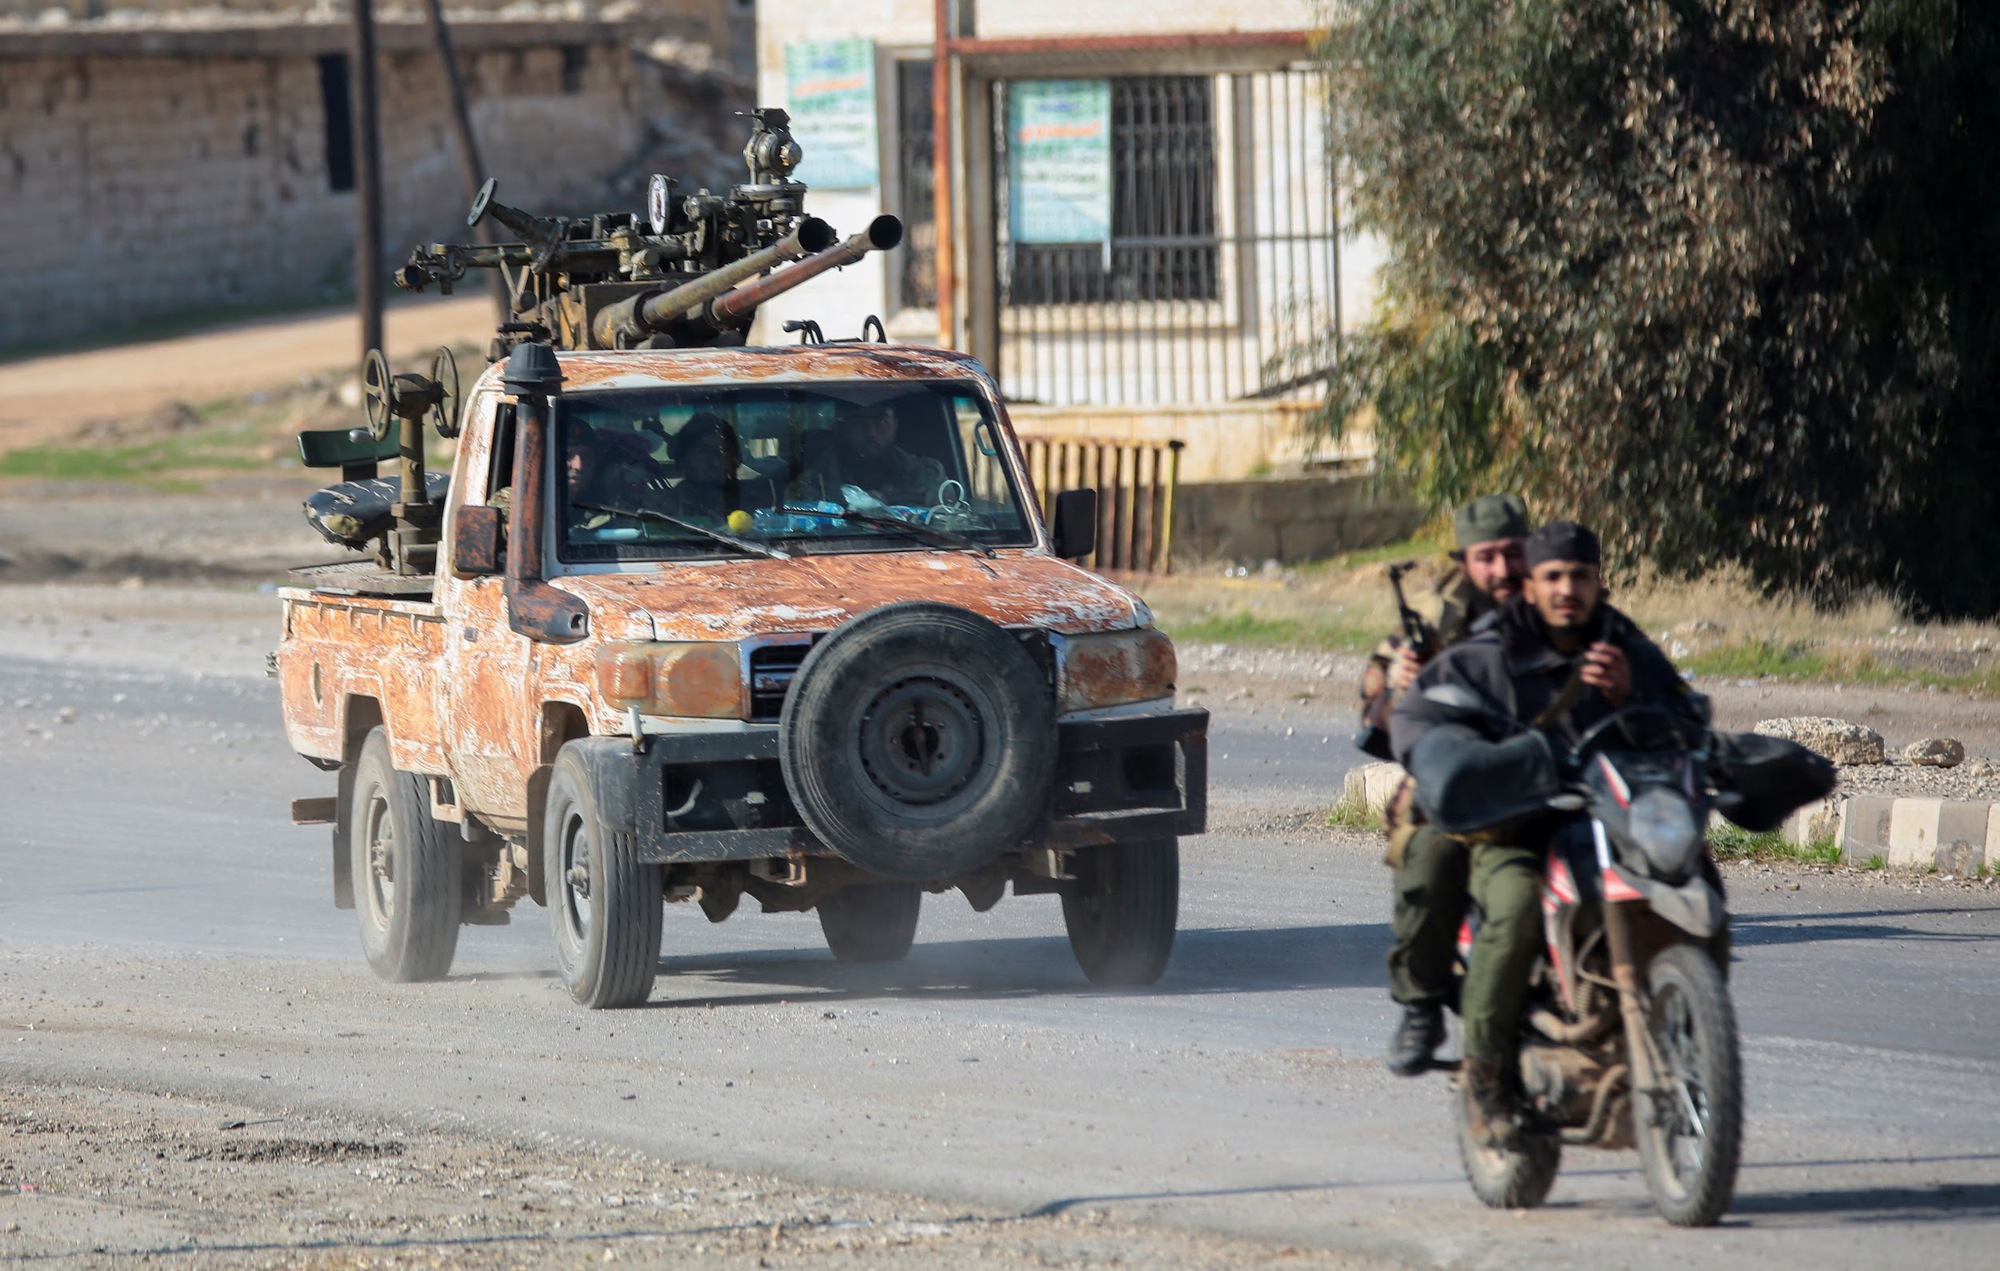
(688, 272)
(678, 275)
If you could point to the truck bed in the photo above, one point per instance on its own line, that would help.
(338, 646)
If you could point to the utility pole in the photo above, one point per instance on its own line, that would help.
(367, 178)
(470, 168)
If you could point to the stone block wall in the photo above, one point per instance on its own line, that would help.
(142, 177)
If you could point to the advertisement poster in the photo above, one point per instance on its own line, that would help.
(1059, 160)
(830, 91)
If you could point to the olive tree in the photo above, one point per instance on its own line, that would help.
(1681, 268)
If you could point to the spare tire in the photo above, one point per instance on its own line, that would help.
(919, 741)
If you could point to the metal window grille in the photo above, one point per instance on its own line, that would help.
(916, 138)
(1221, 279)
(1163, 244)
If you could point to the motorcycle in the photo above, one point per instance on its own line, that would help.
(1627, 1036)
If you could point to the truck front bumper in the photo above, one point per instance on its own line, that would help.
(722, 796)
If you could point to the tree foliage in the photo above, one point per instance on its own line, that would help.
(1713, 275)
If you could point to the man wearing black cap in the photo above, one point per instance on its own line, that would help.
(1559, 658)
(1431, 866)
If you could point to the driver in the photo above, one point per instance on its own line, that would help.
(606, 470)
(1559, 659)
(867, 458)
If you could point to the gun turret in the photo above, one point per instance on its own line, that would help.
(658, 279)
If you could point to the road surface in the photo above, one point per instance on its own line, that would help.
(164, 930)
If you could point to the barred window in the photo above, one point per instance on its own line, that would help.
(1164, 239)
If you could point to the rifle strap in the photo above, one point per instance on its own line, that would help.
(1572, 689)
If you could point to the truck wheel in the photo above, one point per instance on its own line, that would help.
(919, 741)
(604, 906)
(1122, 909)
(871, 922)
(405, 870)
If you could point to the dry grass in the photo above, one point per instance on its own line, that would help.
(1714, 626)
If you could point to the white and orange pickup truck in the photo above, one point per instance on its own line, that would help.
(714, 621)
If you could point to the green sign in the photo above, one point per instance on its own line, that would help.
(830, 91)
(1059, 160)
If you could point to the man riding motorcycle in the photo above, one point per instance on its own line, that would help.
(1557, 658)
(1431, 866)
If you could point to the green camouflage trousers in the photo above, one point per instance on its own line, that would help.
(1439, 878)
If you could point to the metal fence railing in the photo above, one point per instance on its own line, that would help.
(1218, 277)
(1135, 483)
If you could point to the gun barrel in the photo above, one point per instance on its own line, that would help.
(883, 233)
(638, 316)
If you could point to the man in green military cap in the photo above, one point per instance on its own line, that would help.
(1432, 868)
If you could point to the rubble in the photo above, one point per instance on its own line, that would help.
(1935, 752)
(1843, 742)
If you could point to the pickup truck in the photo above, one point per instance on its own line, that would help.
(708, 622)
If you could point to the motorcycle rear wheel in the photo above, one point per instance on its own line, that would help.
(1517, 1177)
(1691, 1139)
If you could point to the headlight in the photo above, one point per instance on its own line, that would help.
(1663, 829)
(699, 680)
(1116, 668)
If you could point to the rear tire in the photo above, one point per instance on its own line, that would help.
(1517, 1177)
(871, 922)
(1122, 910)
(605, 906)
(1692, 1143)
(405, 870)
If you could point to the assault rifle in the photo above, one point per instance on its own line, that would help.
(1373, 739)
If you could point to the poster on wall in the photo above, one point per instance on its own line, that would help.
(1059, 160)
(830, 91)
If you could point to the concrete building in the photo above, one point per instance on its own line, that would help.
(1143, 238)
(162, 164)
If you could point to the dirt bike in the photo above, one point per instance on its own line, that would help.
(1628, 1037)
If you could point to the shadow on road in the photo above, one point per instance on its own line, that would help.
(1263, 960)
(1877, 1204)
(1784, 928)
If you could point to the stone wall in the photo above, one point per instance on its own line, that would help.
(151, 173)
(1287, 519)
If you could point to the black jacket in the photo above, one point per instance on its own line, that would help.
(1511, 664)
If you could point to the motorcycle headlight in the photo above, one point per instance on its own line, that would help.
(1662, 828)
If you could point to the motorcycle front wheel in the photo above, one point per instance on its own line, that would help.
(1691, 1134)
(1516, 1177)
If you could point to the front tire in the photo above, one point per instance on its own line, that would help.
(1122, 910)
(405, 870)
(871, 922)
(1691, 1140)
(605, 906)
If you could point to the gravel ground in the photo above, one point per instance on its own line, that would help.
(100, 1177)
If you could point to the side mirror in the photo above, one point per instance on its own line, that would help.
(1075, 527)
(475, 542)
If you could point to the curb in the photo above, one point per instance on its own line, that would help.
(1957, 836)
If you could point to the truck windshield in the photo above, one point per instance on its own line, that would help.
(830, 467)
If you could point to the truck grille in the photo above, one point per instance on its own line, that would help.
(772, 669)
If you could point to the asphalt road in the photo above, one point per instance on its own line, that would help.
(162, 928)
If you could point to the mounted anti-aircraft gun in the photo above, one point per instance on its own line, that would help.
(613, 281)
(683, 275)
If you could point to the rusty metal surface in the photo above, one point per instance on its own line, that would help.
(339, 648)
(781, 364)
(735, 599)
(466, 694)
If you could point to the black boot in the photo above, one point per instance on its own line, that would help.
(1417, 1039)
(1489, 1113)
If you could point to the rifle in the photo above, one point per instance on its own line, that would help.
(1373, 739)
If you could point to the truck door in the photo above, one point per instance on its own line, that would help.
(490, 726)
